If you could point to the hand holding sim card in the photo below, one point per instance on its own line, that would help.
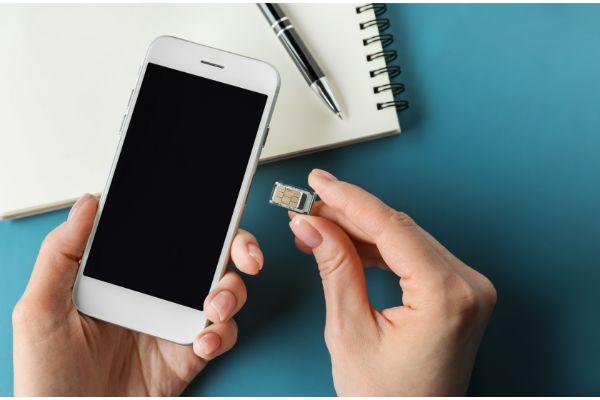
(352, 229)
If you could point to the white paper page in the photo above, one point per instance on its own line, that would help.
(67, 72)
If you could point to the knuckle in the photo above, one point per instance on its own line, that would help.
(460, 299)
(238, 288)
(464, 300)
(229, 336)
(467, 303)
(233, 279)
(18, 314)
(32, 315)
(53, 244)
(489, 293)
(233, 327)
(22, 314)
(401, 218)
(443, 283)
(242, 296)
(335, 336)
(331, 262)
(343, 336)
(49, 241)
(393, 221)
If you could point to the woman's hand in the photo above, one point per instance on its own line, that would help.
(59, 352)
(426, 346)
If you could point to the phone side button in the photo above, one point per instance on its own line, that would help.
(122, 123)
(266, 135)
(130, 97)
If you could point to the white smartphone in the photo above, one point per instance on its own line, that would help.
(190, 143)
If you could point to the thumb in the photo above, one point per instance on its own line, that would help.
(340, 268)
(56, 267)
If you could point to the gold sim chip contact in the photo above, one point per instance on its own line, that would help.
(292, 198)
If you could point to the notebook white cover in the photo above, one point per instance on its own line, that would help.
(67, 71)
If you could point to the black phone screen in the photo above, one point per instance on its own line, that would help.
(175, 185)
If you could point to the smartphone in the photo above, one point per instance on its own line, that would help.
(189, 147)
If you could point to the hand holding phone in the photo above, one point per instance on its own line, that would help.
(59, 351)
(177, 189)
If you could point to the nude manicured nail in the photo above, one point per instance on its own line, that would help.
(77, 205)
(306, 232)
(256, 254)
(324, 174)
(223, 304)
(207, 344)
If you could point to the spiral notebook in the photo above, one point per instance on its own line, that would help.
(67, 72)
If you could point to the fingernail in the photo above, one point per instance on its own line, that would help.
(223, 304)
(324, 174)
(207, 344)
(306, 232)
(256, 254)
(77, 205)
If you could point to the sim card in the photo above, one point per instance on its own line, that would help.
(292, 198)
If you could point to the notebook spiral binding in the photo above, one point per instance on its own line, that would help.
(389, 55)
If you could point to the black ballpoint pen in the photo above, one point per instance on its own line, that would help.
(306, 63)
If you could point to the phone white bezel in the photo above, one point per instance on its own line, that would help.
(138, 311)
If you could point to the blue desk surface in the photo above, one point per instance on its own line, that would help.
(499, 159)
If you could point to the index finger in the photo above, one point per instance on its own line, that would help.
(402, 244)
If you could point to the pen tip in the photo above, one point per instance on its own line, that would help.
(340, 115)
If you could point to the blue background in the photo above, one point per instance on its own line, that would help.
(499, 159)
